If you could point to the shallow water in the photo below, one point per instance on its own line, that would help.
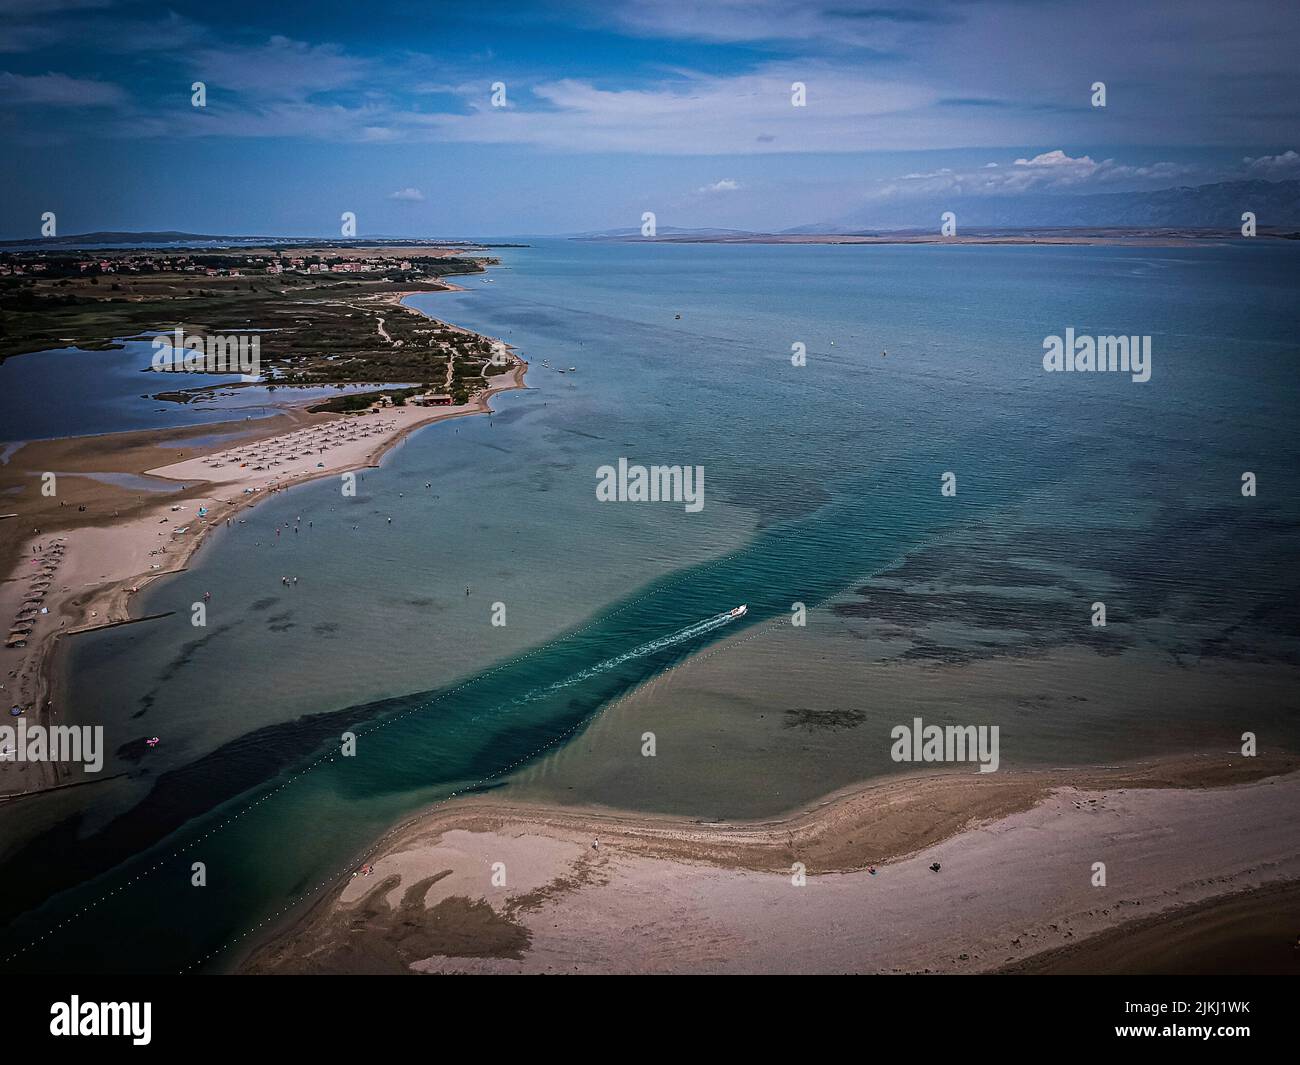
(822, 487)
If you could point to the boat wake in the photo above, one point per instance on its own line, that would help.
(691, 632)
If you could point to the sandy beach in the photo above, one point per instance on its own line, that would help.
(595, 891)
(71, 576)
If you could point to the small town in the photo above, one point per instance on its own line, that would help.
(227, 264)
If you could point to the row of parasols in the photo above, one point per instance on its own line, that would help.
(33, 604)
(276, 450)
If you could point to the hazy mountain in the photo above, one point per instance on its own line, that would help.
(103, 238)
(1216, 206)
(623, 232)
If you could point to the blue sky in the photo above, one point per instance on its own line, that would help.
(613, 109)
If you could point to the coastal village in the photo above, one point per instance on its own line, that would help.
(59, 266)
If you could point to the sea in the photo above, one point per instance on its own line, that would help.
(920, 518)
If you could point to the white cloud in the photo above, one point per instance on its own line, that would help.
(888, 78)
(1053, 171)
(280, 69)
(407, 195)
(59, 90)
(694, 113)
(725, 185)
(1273, 167)
(745, 21)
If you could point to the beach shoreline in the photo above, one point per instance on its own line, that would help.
(102, 566)
(601, 891)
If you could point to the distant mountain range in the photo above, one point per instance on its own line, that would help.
(1215, 206)
(660, 231)
(1218, 206)
(104, 238)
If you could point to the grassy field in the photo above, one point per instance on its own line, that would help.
(314, 329)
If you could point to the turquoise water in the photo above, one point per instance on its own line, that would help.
(814, 477)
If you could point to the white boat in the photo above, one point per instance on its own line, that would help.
(739, 612)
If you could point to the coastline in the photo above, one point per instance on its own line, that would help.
(1250, 933)
(601, 891)
(102, 565)
(1138, 237)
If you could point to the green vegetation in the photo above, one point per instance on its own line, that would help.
(314, 328)
(359, 401)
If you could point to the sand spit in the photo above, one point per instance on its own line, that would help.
(84, 577)
(591, 891)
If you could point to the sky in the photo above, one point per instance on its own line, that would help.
(434, 119)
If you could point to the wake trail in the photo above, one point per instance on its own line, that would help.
(691, 632)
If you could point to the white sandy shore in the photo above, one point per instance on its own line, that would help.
(102, 567)
(1007, 888)
(1003, 891)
